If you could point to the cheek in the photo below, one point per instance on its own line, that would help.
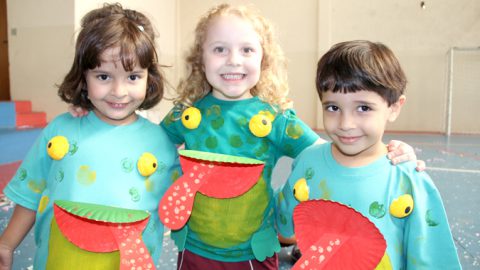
(328, 122)
(140, 92)
(95, 92)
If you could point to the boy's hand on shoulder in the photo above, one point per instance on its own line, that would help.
(399, 152)
(77, 111)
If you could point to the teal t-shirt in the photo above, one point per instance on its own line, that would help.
(100, 167)
(230, 229)
(421, 240)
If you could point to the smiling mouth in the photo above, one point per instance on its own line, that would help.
(117, 105)
(233, 76)
(348, 140)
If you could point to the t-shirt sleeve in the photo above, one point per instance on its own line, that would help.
(170, 124)
(30, 180)
(292, 135)
(428, 241)
(286, 201)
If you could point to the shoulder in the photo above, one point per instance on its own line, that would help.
(64, 118)
(421, 180)
(152, 129)
(313, 152)
(62, 123)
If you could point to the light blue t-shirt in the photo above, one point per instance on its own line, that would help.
(421, 240)
(100, 167)
(229, 229)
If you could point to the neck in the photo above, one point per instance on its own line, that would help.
(359, 159)
(224, 96)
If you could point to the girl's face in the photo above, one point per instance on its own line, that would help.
(114, 92)
(355, 122)
(232, 57)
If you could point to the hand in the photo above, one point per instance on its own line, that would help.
(399, 152)
(77, 111)
(6, 257)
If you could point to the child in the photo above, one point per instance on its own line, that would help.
(92, 184)
(361, 86)
(233, 101)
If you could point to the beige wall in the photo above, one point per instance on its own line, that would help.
(40, 39)
(42, 49)
(421, 38)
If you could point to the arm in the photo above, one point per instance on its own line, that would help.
(20, 224)
(428, 241)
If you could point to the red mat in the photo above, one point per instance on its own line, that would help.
(7, 171)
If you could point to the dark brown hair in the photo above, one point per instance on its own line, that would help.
(112, 26)
(361, 65)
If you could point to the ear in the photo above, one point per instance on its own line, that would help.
(396, 107)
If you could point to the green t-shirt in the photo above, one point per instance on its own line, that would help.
(228, 229)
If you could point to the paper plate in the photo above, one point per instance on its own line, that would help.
(215, 157)
(214, 175)
(331, 235)
(221, 179)
(101, 212)
(93, 235)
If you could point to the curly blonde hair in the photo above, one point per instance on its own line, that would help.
(272, 86)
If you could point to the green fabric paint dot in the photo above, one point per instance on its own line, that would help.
(211, 142)
(236, 141)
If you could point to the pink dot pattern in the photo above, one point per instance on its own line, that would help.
(134, 255)
(177, 203)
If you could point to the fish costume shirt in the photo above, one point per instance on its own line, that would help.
(403, 204)
(93, 185)
(239, 228)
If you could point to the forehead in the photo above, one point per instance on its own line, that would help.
(230, 27)
(361, 96)
(110, 55)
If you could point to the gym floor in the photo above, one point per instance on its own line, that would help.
(452, 162)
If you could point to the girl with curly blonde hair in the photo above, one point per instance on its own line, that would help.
(233, 100)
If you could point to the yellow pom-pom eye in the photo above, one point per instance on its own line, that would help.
(57, 147)
(301, 190)
(191, 118)
(147, 164)
(260, 125)
(402, 206)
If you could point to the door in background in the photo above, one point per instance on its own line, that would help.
(4, 74)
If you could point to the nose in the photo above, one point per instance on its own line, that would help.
(118, 89)
(347, 121)
(234, 58)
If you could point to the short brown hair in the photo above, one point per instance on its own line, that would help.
(361, 65)
(108, 27)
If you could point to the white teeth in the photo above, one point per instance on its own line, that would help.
(232, 76)
(117, 105)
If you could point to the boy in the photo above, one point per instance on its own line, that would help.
(361, 86)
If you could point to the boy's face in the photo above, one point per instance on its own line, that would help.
(114, 92)
(232, 57)
(355, 122)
